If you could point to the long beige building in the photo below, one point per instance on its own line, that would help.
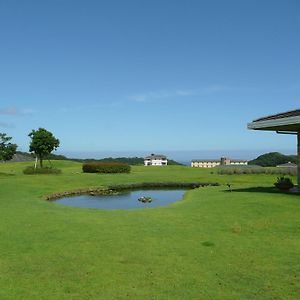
(211, 163)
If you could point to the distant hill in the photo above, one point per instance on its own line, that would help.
(273, 159)
(128, 160)
(24, 156)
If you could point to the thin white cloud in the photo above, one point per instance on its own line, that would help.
(27, 111)
(186, 93)
(219, 88)
(6, 125)
(13, 111)
(290, 88)
(152, 95)
(88, 107)
(164, 94)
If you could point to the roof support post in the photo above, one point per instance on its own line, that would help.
(298, 160)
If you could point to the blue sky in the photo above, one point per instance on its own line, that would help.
(135, 77)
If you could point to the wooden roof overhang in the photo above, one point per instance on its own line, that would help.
(288, 122)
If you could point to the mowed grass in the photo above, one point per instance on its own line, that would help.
(214, 244)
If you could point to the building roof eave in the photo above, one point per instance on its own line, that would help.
(281, 124)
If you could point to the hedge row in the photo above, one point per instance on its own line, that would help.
(30, 170)
(162, 185)
(230, 170)
(105, 167)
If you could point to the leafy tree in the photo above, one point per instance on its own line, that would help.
(42, 143)
(7, 149)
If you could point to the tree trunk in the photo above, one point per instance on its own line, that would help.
(41, 161)
(298, 160)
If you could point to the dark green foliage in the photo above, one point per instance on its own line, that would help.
(46, 170)
(7, 149)
(273, 159)
(231, 170)
(42, 143)
(6, 174)
(105, 167)
(284, 183)
(52, 156)
(161, 185)
(172, 162)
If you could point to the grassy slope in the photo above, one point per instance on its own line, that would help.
(212, 245)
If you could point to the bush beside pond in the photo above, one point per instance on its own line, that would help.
(30, 170)
(161, 185)
(101, 167)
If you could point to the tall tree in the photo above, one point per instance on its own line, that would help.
(7, 149)
(42, 143)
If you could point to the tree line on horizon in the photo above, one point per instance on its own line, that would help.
(43, 142)
(271, 159)
(133, 161)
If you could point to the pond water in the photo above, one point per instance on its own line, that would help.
(125, 200)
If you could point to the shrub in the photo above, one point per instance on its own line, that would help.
(284, 183)
(31, 170)
(162, 185)
(105, 167)
(230, 170)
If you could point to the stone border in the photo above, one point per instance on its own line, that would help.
(87, 191)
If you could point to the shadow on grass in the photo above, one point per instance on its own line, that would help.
(6, 174)
(260, 189)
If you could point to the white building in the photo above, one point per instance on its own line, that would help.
(155, 160)
(211, 163)
(287, 165)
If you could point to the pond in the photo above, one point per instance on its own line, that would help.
(125, 199)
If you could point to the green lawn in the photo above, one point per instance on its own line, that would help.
(214, 244)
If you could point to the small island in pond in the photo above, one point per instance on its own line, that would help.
(145, 199)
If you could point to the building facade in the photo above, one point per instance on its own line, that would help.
(211, 163)
(156, 160)
(287, 165)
